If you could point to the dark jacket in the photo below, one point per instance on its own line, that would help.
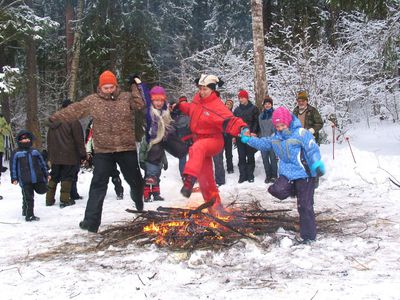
(249, 114)
(27, 164)
(65, 143)
(312, 119)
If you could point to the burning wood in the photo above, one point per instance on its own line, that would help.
(189, 229)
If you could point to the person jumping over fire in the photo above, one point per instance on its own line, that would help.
(299, 165)
(209, 119)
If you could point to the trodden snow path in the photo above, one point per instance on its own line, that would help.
(361, 262)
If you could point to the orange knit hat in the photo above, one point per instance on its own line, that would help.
(107, 77)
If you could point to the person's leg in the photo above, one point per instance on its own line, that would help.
(74, 189)
(282, 188)
(116, 180)
(219, 169)
(28, 194)
(228, 153)
(274, 164)
(128, 163)
(103, 163)
(202, 148)
(264, 156)
(305, 206)
(182, 163)
(242, 161)
(67, 175)
(207, 183)
(52, 185)
(251, 163)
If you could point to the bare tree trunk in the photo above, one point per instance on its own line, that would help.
(32, 121)
(260, 80)
(5, 98)
(76, 53)
(69, 16)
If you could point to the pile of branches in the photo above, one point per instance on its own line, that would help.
(190, 229)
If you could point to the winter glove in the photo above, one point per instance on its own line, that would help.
(165, 166)
(244, 138)
(134, 78)
(318, 168)
(311, 130)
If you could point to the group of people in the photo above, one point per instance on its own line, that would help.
(201, 128)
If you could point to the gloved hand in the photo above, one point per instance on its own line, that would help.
(134, 78)
(243, 137)
(318, 168)
(311, 130)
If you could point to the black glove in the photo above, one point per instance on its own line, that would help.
(165, 166)
(134, 78)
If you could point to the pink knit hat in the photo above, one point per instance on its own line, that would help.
(158, 93)
(281, 115)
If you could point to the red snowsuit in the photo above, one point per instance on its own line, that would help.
(209, 119)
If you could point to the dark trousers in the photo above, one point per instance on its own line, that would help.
(103, 168)
(246, 161)
(219, 170)
(182, 163)
(270, 163)
(228, 152)
(303, 188)
(28, 193)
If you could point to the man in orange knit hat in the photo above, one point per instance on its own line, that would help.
(113, 138)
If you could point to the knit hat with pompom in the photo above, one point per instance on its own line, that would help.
(281, 115)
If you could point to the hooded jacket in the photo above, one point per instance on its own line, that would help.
(113, 118)
(291, 146)
(27, 165)
(65, 143)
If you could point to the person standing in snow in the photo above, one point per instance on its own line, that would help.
(296, 176)
(228, 143)
(308, 115)
(249, 113)
(209, 119)
(65, 148)
(152, 153)
(29, 170)
(267, 129)
(114, 141)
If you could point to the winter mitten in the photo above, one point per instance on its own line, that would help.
(318, 168)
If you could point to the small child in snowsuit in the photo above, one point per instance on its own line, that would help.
(28, 169)
(152, 152)
(299, 165)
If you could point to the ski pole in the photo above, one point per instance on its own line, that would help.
(351, 150)
(333, 141)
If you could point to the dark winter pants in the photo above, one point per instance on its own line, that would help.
(246, 161)
(28, 192)
(228, 152)
(304, 190)
(219, 170)
(270, 163)
(103, 167)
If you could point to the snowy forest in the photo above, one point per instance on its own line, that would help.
(346, 54)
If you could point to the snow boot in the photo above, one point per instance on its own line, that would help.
(51, 193)
(31, 218)
(65, 192)
(156, 193)
(188, 183)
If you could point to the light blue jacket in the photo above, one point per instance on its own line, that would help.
(290, 146)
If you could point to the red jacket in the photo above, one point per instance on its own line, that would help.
(210, 116)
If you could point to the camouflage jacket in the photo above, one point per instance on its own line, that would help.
(312, 119)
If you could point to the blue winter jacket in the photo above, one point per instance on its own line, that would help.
(290, 146)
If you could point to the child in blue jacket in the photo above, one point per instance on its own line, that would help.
(28, 169)
(299, 165)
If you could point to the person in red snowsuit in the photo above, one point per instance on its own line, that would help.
(209, 120)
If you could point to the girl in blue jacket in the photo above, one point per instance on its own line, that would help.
(299, 164)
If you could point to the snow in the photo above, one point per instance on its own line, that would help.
(362, 262)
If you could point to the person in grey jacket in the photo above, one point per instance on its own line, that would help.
(267, 129)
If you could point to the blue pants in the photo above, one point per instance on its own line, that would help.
(303, 188)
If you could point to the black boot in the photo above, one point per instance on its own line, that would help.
(119, 190)
(188, 183)
(137, 197)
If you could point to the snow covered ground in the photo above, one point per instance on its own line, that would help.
(361, 263)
